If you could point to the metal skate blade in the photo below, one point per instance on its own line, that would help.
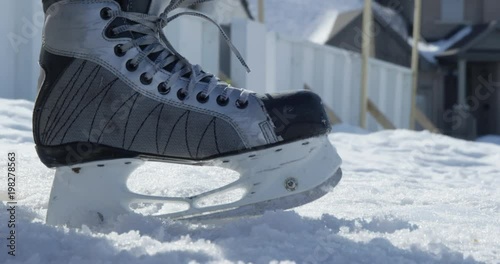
(283, 203)
(276, 178)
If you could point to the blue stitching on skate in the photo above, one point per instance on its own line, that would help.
(157, 127)
(186, 134)
(99, 107)
(61, 112)
(215, 138)
(172, 131)
(49, 125)
(203, 135)
(111, 118)
(126, 124)
(142, 124)
(105, 88)
(94, 71)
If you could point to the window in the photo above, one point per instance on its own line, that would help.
(452, 11)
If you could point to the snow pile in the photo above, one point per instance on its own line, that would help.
(311, 20)
(346, 128)
(494, 139)
(15, 121)
(406, 197)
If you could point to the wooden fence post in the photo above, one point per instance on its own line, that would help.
(379, 116)
(414, 60)
(366, 50)
(262, 11)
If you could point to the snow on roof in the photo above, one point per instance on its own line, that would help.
(312, 20)
(391, 18)
(15, 121)
(431, 50)
(324, 27)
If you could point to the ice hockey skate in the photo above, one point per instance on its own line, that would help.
(115, 94)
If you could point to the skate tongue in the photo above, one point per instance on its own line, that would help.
(152, 7)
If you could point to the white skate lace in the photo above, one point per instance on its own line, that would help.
(152, 37)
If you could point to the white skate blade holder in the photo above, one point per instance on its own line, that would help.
(279, 177)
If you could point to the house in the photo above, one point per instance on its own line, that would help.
(459, 49)
(391, 43)
(460, 58)
(463, 39)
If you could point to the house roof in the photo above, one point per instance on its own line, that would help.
(390, 22)
(476, 30)
(481, 44)
(431, 50)
(343, 20)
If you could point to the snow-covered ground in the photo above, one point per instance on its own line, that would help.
(406, 197)
(494, 139)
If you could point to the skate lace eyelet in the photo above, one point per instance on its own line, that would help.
(145, 80)
(131, 67)
(105, 13)
(240, 104)
(222, 101)
(109, 32)
(202, 98)
(181, 95)
(163, 88)
(119, 51)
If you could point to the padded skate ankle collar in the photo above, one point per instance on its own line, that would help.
(297, 115)
(48, 3)
(135, 6)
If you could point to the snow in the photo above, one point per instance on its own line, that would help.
(321, 34)
(346, 128)
(494, 139)
(312, 20)
(430, 50)
(406, 197)
(392, 18)
(15, 121)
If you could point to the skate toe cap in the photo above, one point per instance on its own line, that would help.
(297, 115)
